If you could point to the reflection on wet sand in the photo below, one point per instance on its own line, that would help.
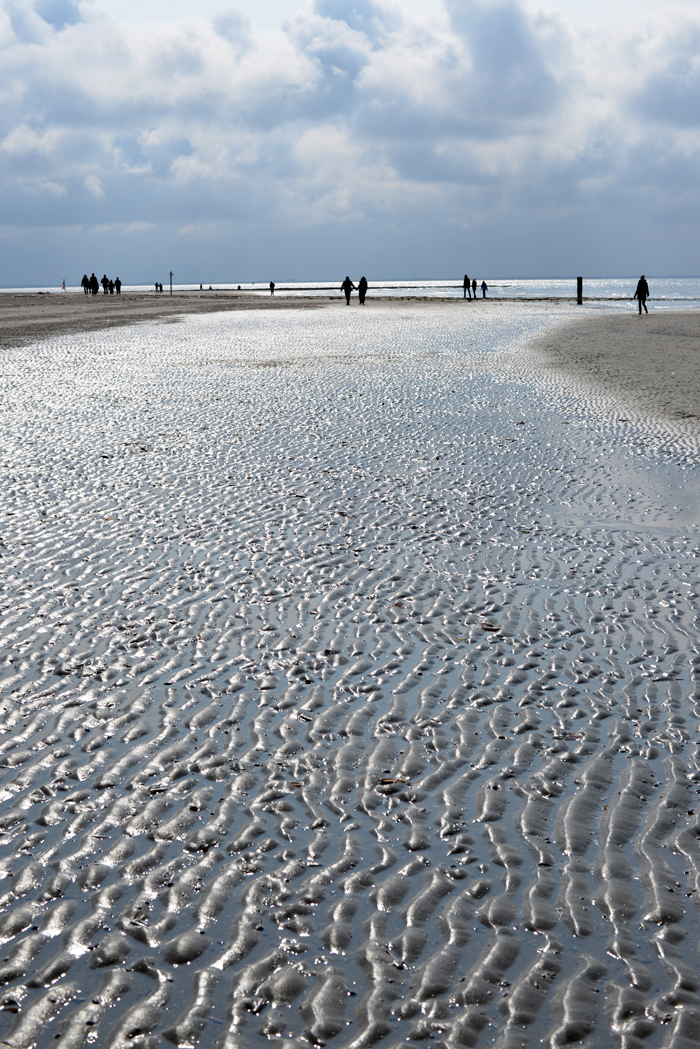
(350, 698)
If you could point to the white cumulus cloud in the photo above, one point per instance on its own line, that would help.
(440, 132)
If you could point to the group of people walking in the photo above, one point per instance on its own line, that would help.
(347, 287)
(91, 285)
(469, 288)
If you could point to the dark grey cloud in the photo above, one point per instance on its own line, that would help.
(516, 60)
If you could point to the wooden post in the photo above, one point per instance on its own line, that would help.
(171, 282)
(579, 290)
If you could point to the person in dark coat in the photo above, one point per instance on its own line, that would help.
(111, 286)
(466, 287)
(642, 293)
(474, 287)
(347, 286)
(484, 289)
(94, 285)
(105, 283)
(118, 286)
(272, 287)
(362, 290)
(85, 283)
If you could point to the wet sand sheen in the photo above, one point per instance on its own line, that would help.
(349, 693)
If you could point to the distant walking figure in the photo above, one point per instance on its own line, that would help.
(641, 294)
(362, 290)
(111, 286)
(94, 286)
(484, 289)
(85, 283)
(105, 283)
(272, 287)
(466, 286)
(474, 287)
(118, 286)
(347, 286)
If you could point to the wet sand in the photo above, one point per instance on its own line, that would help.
(349, 690)
(24, 318)
(650, 365)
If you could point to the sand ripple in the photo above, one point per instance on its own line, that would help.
(349, 694)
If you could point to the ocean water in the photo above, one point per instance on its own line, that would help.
(610, 292)
(349, 692)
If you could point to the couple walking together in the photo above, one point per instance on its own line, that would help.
(347, 286)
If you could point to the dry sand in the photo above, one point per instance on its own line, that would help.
(349, 693)
(650, 365)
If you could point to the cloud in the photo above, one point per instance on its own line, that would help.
(361, 120)
(93, 185)
(58, 13)
(669, 91)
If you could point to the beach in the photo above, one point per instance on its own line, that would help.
(653, 367)
(645, 366)
(24, 317)
(350, 675)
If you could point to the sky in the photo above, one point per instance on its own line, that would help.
(307, 139)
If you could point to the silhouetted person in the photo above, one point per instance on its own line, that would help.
(484, 289)
(474, 287)
(642, 293)
(347, 286)
(362, 290)
(105, 283)
(111, 286)
(118, 286)
(272, 287)
(466, 286)
(85, 283)
(94, 285)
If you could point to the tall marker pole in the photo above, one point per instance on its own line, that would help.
(171, 282)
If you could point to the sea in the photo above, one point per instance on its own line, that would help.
(607, 292)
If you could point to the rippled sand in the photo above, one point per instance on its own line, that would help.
(349, 692)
